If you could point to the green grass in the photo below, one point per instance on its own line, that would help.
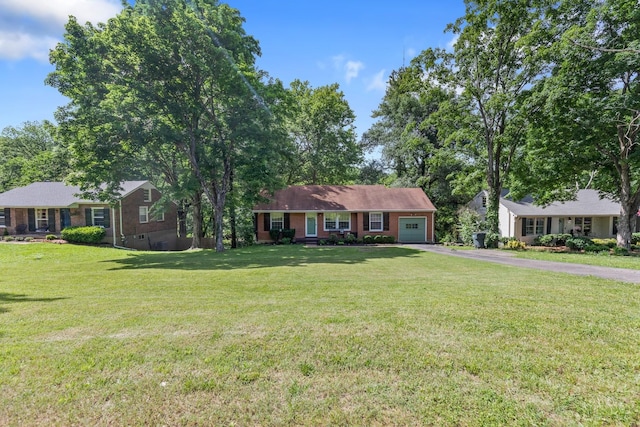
(603, 260)
(318, 336)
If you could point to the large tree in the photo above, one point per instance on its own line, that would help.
(31, 153)
(590, 120)
(412, 146)
(494, 63)
(321, 126)
(177, 72)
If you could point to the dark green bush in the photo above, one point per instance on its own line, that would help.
(367, 239)
(596, 248)
(378, 238)
(92, 234)
(635, 238)
(620, 251)
(51, 237)
(274, 234)
(322, 242)
(389, 239)
(578, 243)
(333, 239)
(350, 239)
(289, 233)
(610, 243)
(285, 240)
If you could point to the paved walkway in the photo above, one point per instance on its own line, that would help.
(508, 258)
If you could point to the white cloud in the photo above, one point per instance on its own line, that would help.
(352, 69)
(377, 82)
(30, 28)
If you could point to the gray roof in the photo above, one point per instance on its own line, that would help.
(587, 203)
(54, 195)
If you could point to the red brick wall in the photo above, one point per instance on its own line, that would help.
(297, 221)
(131, 225)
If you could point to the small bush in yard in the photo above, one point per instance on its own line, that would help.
(9, 239)
(595, 248)
(578, 243)
(515, 245)
(367, 239)
(285, 240)
(610, 243)
(51, 237)
(620, 251)
(90, 234)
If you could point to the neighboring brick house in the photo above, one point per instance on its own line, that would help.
(316, 211)
(49, 207)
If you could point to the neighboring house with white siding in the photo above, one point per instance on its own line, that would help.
(588, 215)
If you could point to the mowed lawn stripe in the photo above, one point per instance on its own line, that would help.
(274, 335)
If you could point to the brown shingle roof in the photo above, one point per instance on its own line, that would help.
(352, 198)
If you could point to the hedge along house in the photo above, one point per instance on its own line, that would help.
(49, 207)
(589, 215)
(317, 211)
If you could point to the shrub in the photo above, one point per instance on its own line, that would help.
(367, 239)
(5, 232)
(378, 238)
(19, 238)
(610, 243)
(91, 234)
(578, 243)
(515, 245)
(51, 237)
(28, 239)
(322, 242)
(388, 239)
(333, 239)
(285, 240)
(350, 239)
(491, 240)
(274, 234)
(9, 238)
(595, 248)
(546, 240)
(635, 238)
(289, 233)
(620, 251)
(468, 223)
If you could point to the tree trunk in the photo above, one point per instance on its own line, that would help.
(218, 210)
(196, 242)
(232, 213)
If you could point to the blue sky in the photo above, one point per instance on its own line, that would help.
(354, 43)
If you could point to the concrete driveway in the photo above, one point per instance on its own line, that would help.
(508, 258)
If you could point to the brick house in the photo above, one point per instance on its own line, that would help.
(48, 207)
(317, 211)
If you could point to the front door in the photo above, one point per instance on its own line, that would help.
(311, 229)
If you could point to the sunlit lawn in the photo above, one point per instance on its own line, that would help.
(601, 259)
(317, 336)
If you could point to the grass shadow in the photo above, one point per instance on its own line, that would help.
(259, 257)
(7, 298)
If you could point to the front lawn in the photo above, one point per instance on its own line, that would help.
(602, 259)
(321, 336)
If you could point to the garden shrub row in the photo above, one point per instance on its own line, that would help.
(91, 234)
(350, 239)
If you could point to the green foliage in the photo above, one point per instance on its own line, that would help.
(491, 240)
(350, 239)
(610, 243)
(285, 240)
(333, 239)
(275, 234)
(578, 243)
(90, 234)
(468, 223)
(289, 233)
(367, 239)
(596, 248)
(551, 240)
(321, 124)
(515, 244)
(635, 238)
(5, 232)
(9, 238)
(618, 251)
(51, 237)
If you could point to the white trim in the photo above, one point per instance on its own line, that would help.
(324, 221)
(146, 208)
(381, 221)
(426, 221)
(271, 220)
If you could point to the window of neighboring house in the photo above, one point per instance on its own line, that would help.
(582, 225)
(375, 221)
(143, 214)
(42, 219)
(147, 194)
(159, 216)
(534, 226)
(337, 221)
(614, 229)
(484, 201)
(97, 215)
(2, 219)
(277, 220)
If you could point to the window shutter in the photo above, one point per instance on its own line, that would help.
(255, 224)
(7, 217)
(107, 218)
(365, 221)
(52, 220)
(524, 226)
(287, 221)
(31, 217)
(385, 219)
(267, 222)
(87, 216)
(549, 225)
